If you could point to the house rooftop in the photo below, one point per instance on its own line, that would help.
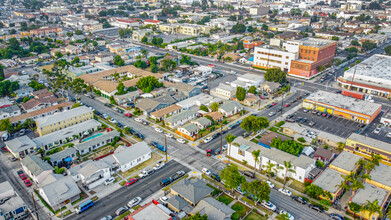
(346, 161)
(94, 141)
(192, 189)
(369, 141)
(329, 180)
(179, 116)
(370, 193)
(124, 155)
(40, 111)
(215, 210)
(167, 110)
(151, 211)
(382, 174)
(20, 144)
(61, 116)
(35, 164)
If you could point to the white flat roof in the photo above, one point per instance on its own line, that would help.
(376, 66)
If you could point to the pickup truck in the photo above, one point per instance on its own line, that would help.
(158, 146)
(146, 173)
(178, 175)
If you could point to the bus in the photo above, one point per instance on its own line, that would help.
(84, 206)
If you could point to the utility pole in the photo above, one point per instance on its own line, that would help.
(298, 98)
(282, 104)
(165, 143)
(35, 205)
(221, 138)
(354, 74)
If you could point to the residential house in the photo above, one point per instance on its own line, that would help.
(178, 204)
(148, 105)
(91, 173)
(14, 206)
(64, 157)
(63, 120)
(191, 190)
(10, 111)
(329, 180)
(188, 131)
(180, 118)
(165, 112)
(251, 100)
(104, 57)
(186, 89)
(216, 116)
(21, 146)
(230, 108)
(36, 168)
(324, 155)
(242, 149)
(224, 91)
(23, 92)
(58, 190)
(23, 80)
(98, 140)
(247, 80)
(215, 210)
(202, 122)
(270, 87)
(346, 163)
(41, 112)
(5, 103)
(42, 99)
(380, 177)
(128, 157)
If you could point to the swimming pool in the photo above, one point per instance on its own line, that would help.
(92, 137)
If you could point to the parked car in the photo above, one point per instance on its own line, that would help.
(215, 177)
(22, 176)
(108, 217)
(336, 216)
(290, 216)
(131, 181)
(271, 113)
(377, 131)
(163, 200)
(169, 135)
(105, 116)
(279, 109)
(165, 182)
(290, 116)
(27, 182)
(120, 125)
(388, 135)
(285, 192)
(132, 203)
(271, 185)
(316, 207)
(312, 123)
(206, 171)
(128, 115)
(112, 120)
(159, 165)
(269, 205)
(121, 210)
(181, 141)
(209, 152)
(287, 105)
(298, 119)
(109, 181)
(269, 106)
(304, 120)
(208, 139)
(361, 125)
(22, 132)
(249, 174)
(274, 103)
(178, 175)
(299, 199)
(158, 130)
(146, 173)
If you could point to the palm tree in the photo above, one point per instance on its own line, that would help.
(373, 208)
(256, 154)
(288, 167)
(354, 207)
(229, 138)
(344, 183)
(144, 53)
(270, 167)
(375, 159)
(355, 185)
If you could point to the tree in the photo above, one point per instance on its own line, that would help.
(167, 64)
(354, 43)
(270, 168)
(78, 32)
(204, 108)
(121, 89)
(335, 38)
(231, 177)
(197, 216)
(354, 207)
(368, 45)
(356, 184)
(238, 28)
(144, 40)
(5, 125)
(257, 189)
(373, 208)
(314, 191)
(240, 93)
(1, 72)
(288, 167)
(148, 83)
(144, 53)
(256, 154)
(275, 75)
(387, 50)
(59, 170)
(118, 60)
(320, 68)
(75, 60)
(154, 68)
(374, 6)
(252, 90)
(214, 106)
(254, 124)
(58, 54)
(229, 138)
(265, 27)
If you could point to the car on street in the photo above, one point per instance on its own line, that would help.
(206, 171)
(298, 119)
(336, 216)
(361, 125)
(132, 203)
(208, 139)
(316, 207)
(181, 140)
(163, 200)
(112, 120)
(299, 199)
(388, 135)
(138, 120)
(146, 173)
(121, 210)
(269, 106)
(120, 125)
(128, 115)
(139, 135)
(22, 176)
(271, 113)
(209, 152)
(279, 109)
(312, 123)
(158, 130)
(159, 165)
(22, 132)
(108, 217)
(131, 181)
(169, 135)
(249, 174)
(287, 105)
(377, 131)
(269, 205)
(109, 181)
(271, 185)
(178, 175)
(105, 116)
(305, 110)
(285, 192)
(304, 120)
(289, 215)
(27, 182)
(274, 103)
(215, 177)
(5, 149)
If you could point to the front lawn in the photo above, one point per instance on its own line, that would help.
(240, 209)
(225, 199)
(254, 216)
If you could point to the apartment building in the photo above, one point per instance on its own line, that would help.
(186, 29)
(266, 57)
(63, 120)
(45, 31)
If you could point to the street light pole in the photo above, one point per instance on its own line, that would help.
(165, 143)
(221, 137)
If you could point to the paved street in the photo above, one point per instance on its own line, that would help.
(143, 188)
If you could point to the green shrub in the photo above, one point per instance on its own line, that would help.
(325, 202)
(235, 216)
(301, 139)
(279, 124)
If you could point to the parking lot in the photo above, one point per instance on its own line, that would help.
(334, 125)
(384, 130)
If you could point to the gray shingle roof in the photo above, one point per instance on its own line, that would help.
(230, 106)
(35, 164)
(85, 145)
(9, 109)
(180, 116)
(192, 189)
(63, 154)
(183, 87)
(203, 121)
(124, 155)
(177, 202)
(60, 190)
(214, 209)
(147, 104)
(191, 127)
(20, 144)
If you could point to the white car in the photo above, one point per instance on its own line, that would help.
(107, 218)
(112, 120)
(377, 131)
(109, 181)
(283, 212)
(285, 192)
(159, 165)
(271, 185)
(138, 120)
(388, 135)
(206, 171)
(158, 130)
(169, 135)
(225, 147)
(134, 202)
(181, 140)
(271, 113)
(208, 139)
(163, 200)
(269, 206)
(105, 116)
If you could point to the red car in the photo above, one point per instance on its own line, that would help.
(274, 103)
(287, 105)
(5, 149)
(131, 181)
(27, 182)
(208, 152)
(128, 115)
(22, 176)
(211, 65)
